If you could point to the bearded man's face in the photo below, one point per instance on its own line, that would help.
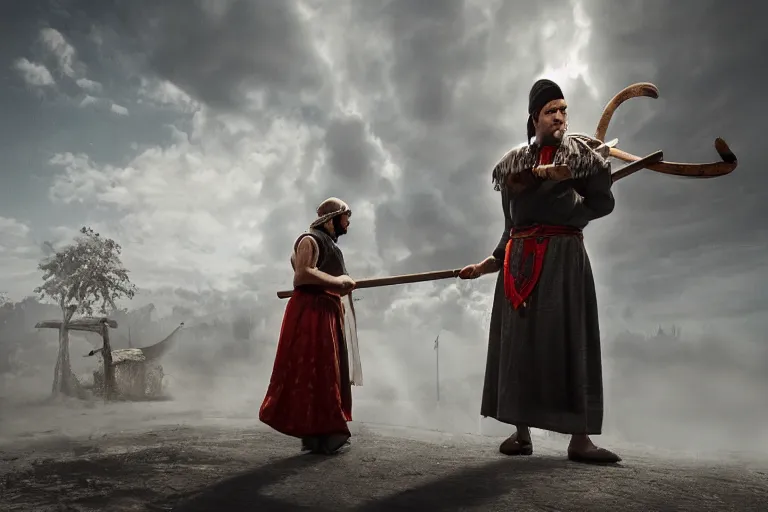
(552, 122)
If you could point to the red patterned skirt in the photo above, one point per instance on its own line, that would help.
(522, 271)
(309, 392)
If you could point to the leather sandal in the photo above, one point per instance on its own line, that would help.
(309, 444)
(331, 444)
(513, 446)
(594, 456)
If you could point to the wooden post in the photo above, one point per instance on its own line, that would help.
(109, 369)
(64, 381)
(437, 366)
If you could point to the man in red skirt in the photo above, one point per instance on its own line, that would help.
(309, 394)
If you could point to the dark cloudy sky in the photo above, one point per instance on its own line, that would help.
(201, 135)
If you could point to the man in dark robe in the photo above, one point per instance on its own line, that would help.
(544, 366)
(309, 394)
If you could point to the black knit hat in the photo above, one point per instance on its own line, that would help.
(542, 92)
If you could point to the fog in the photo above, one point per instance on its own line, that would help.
(663, 390)
(203, 141)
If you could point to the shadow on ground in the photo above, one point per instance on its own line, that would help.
(469, 487)
(196, 469)
(244, 491)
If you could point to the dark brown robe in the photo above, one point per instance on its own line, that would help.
(544, 367)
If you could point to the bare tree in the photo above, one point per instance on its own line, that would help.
(85, 275)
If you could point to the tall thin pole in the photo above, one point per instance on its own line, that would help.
(437, 366)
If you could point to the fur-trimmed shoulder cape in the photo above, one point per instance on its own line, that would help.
(577, 151)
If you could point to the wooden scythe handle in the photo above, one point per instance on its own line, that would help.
(635, 166)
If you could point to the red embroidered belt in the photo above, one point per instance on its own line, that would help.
(522, 272)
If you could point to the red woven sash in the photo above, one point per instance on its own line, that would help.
(521, 276)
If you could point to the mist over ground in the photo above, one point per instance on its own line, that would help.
(663, 389)
(201, 136)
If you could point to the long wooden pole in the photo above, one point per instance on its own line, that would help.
(377, 282)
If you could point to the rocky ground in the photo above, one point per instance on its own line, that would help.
(237, 465)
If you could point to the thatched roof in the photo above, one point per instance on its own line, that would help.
(157, 350)
(126, 355)
(150, 353)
